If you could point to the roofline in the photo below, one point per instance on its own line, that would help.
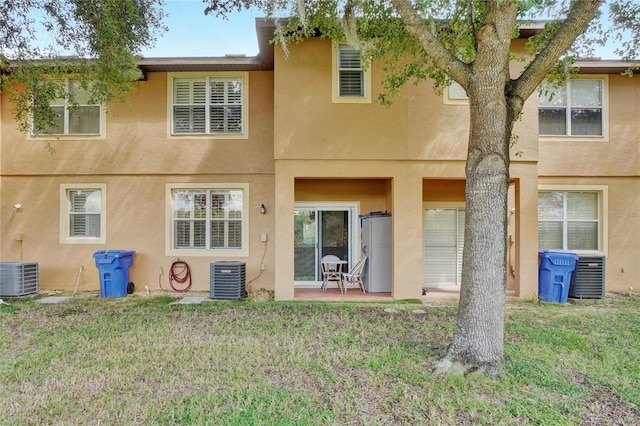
(217, 63)
(605, 66)
(264, 60)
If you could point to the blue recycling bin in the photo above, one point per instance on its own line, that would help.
(554, 275)
(113, 266)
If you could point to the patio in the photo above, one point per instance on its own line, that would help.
(434, 294)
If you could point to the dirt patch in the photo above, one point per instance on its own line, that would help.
(604, 407)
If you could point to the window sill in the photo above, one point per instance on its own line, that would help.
(209, 136)
(351, 100)
(92, 136)
(573, 139)
(81, 240)
(207, 253)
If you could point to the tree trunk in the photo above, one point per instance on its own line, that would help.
(478, 341)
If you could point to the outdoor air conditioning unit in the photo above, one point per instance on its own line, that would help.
(228, 280)
(18, 278)
(587, 281)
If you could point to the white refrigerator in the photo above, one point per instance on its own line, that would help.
(376, 245)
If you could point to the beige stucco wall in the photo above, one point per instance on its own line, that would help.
(417, 148)
(303, 147)
(137, 140)
(610, 162)
(418, 125)
(621, 218)
(135, 161)
(615, 154)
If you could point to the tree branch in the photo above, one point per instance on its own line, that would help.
(580, 14)
(442, 57)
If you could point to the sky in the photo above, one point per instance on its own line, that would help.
(191, 33)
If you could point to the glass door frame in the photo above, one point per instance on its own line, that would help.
(353, 210)
(445, 206)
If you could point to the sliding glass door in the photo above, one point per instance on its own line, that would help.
(320, 231)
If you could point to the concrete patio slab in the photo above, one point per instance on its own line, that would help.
(189, 301)
(52, 300)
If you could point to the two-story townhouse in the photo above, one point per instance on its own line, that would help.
(180, 171)
(184, 169)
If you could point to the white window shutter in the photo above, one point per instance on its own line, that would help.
(350, 73)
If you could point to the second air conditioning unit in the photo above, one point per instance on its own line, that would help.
(587, 281)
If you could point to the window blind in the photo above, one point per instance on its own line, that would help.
(350, 73)
(84, 213)
(573, 110)
(207, 219)
(207, 105)
(568, 220)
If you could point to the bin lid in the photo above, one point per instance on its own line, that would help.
(113, 254)
(559, 257)
(558, 253)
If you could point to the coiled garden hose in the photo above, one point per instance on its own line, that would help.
(181, 274)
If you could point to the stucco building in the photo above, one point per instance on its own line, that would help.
(271, 161)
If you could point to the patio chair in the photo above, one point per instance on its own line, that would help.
(354, 277)
(331, 271)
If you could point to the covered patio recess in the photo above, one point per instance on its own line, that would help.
(328, 219)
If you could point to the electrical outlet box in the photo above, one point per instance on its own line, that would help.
(263, 238)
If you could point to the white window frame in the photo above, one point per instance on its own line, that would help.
(65, 237)
(354, 230)
(73, 136)
(197, 252)
(208, 76)
(454, 94)
(603, 208)
(605, 114)
(446, 205)
(335, 79)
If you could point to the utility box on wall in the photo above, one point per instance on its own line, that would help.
(18, 278)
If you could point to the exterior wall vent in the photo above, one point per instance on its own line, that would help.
(228, 280)
(587, 281)
(18, 278)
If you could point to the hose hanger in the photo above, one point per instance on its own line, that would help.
(179, 276)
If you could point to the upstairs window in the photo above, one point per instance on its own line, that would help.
(351, 82)
(208, 105)
(74, 114)
(350, 72)
(455, 95)
(576, 109)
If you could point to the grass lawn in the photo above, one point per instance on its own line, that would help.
(139, 360)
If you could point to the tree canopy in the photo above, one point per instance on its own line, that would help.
(94, 41)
